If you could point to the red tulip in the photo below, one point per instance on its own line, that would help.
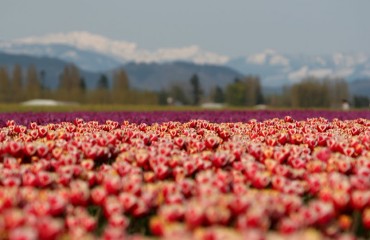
(80, 193)
(212, 142)
(128, 201)
(240, 204)
(57, 204)
(161, 171)
(261, 180)
(194, 215)
(14, 148)
(42, 131)
(360, 199)
(112, 206)
(42, 150)
(88, 164)
(98, 195)
(140, 208)
(119, 221)
(13, 218)
(49, 228)
(255, 217)
(112, 184)
(340, 199)
(172, 212)
(287, 226)
(44, 178)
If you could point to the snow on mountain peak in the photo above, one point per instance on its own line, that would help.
(269, 56)
(124, 51)
(84, 41)
(305, 71)
(192, 53)
(347, 60)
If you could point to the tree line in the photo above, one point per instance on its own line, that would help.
(16, 87)
(20, 85)
(247, 91)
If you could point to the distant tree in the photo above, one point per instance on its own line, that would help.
(103, 82)
(143, 97)
(196, 89)
(310, 92)
(82, 89)
(120, 80)
(102, 95)
(218, 95)
(236, 93)
(121, 87)
(337, 91)
(163, 97)
(43, 83)
(361, 101)
(70, 84)
(254, 92)
(33, 84)
(17, 84)
(282, 99)
(82, 84)
(4, 85)
(178, 94)
(244, 92)
(286, 99)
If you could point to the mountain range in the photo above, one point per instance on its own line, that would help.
(157, 69)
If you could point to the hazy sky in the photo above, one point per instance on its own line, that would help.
(232, 27)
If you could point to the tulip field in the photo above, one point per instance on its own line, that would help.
(204, 175)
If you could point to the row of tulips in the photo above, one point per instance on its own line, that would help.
(280, 178)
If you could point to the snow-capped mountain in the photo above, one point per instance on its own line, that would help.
(276, 68)
(74, 46)
(85, 59)
(97, 53)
